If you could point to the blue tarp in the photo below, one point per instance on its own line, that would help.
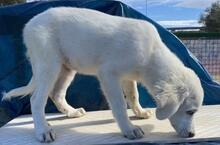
(15, 70)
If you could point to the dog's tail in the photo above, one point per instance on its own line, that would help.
(22, 91)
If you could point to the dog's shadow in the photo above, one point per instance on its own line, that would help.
(147, 127)
(67, 130)
(72, 125)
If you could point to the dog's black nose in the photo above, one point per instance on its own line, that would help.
(191, 134)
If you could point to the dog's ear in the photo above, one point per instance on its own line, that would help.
(169, 100)
(166, 106)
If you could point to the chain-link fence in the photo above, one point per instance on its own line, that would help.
(207, 50)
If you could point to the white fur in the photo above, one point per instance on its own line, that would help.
(119, 51)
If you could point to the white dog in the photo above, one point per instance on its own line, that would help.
(119, 51)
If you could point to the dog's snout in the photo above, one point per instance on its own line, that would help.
(191, 134)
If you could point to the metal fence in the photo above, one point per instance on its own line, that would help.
(207, 50)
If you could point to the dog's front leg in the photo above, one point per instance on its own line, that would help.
(110, 83)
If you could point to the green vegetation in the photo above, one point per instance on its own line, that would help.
(10, 2)
(211, 18)
(199, 34)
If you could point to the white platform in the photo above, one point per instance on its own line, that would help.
(100, 128)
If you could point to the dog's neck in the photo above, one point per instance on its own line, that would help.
(163, 70)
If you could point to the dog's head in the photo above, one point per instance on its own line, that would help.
(179, 100)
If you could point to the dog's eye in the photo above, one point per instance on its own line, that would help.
(190, 112)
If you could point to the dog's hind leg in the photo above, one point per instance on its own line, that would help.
(59, 92)
(46, 75)
(132, 97)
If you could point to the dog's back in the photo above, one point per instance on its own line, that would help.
(88, 38)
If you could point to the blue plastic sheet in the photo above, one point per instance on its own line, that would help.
(15, 70)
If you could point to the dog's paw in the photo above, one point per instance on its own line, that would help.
(134, 133)
(144, 114)
(76, 113)
(47, 136)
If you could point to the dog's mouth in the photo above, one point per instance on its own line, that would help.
(183, 132)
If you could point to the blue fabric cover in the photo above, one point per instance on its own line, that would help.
(15, 70)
